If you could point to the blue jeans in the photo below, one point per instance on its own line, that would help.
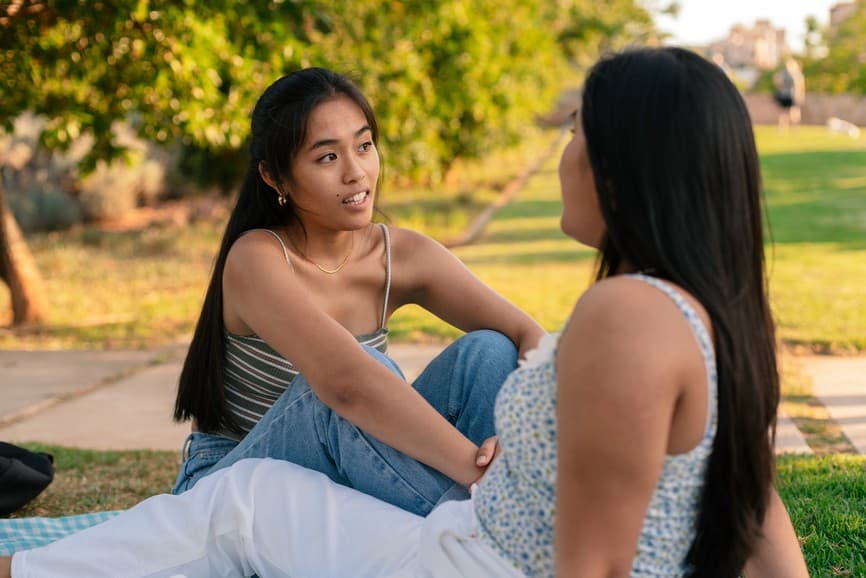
(461, 383)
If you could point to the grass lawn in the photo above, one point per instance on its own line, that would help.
(816, 196)
(825, 495)
(144, 288)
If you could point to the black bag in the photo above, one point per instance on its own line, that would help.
(23, 476)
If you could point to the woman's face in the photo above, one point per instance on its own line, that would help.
(581, 215)
(334, 173)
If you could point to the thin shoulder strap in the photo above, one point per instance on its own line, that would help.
(387, 237)
(280, 241)
(702, 336)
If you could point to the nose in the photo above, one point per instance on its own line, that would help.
(354, 170)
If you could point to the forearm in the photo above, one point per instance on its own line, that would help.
(777, 553)
(392, 411)
(522, 330)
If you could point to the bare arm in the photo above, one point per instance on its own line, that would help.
(268, 297)
(777, 553)
(440, 283)
(621, 364)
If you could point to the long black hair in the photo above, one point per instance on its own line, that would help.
(676, 168)
(279, 126)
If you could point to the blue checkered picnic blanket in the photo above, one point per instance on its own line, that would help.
(26, 533)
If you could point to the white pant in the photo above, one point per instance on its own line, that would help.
(274, 519)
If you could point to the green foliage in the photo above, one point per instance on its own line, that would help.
(449, 78)
(176, 70)
(843, 68)
(588, 29)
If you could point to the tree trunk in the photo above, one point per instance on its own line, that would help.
(18, 270)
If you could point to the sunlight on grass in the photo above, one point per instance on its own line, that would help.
(815, 184)
(523, 255)
(93, 480)
(805, 138)
(144, 288)
(818, 295)
(825, 495)
(826, 498)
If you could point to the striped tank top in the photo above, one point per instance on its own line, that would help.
(255, 375)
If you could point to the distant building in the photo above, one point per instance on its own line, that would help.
(839, 13)
(760, 47)
(747, 51)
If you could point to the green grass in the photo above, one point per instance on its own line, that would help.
(826, 497)
(144, 288)
(91, 481)
(816, 197)
(815, 184)
(111, 289)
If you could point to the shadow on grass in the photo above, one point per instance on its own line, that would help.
(531, 258)
(817, 197)
(518, 210)
(517, 236)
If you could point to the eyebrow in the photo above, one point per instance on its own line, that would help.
(332, 141)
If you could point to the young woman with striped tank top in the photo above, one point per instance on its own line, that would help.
(636, 443)
(288, 359)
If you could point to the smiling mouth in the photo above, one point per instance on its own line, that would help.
(356, 199)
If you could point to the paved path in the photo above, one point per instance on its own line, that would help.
(113, 399)
(840, 384)
(123, 399)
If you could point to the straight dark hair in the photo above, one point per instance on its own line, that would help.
(676, 168)
(279, 128)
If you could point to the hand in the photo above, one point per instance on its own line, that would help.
(530, 342)
(487, 452)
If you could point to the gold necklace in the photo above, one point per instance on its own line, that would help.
(323, 269)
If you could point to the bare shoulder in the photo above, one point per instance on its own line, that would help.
(620, 300)
(254, 247)
(623, 318)
(408, 246)
(410, 240)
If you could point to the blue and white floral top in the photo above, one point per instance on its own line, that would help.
(516, 500)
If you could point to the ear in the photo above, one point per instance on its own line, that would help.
(266, 176)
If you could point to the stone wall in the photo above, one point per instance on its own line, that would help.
(816, 110)
(764, 110)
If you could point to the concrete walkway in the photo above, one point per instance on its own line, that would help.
(840, 384)
(124, 399)
(110, 399)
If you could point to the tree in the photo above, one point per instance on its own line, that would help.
(449, 78)
(183, 71)
(588, 29)
(840, 64)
